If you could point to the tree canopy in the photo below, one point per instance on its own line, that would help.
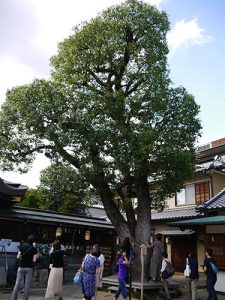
(111, 111)
(61, 189)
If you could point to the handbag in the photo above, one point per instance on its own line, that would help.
(169, 271)
(187, 271)
(78, 278)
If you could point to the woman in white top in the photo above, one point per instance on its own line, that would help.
(99, 275)
(165, 282)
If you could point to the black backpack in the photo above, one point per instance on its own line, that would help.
(169, 271)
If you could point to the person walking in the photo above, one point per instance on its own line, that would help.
(130, 255)
(90, 267)
(99, 275)
(55, 280)
(123, 264)
(165, 262)
(27, 257)
(211, 276)
(192, 280)
(156, 259)
(43, 261)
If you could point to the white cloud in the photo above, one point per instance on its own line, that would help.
(30, 31)
(57, 18)
(186, 34)
(15, 74)
(30, 179)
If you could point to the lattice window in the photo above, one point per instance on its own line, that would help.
(216, 241)
(202, 192)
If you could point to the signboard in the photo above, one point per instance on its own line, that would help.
(9, 245)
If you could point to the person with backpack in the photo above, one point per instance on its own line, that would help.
(192, 279)
(42, 261)
(27, 257)
(167, 271)
(210, 269)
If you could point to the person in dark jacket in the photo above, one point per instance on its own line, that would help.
(128, 248)
(27, 257)
(191, 281)
(211, 276)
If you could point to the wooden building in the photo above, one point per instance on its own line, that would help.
(78, 233)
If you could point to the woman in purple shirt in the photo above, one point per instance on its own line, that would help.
(123, 264)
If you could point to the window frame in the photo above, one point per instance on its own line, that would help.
(194, 184)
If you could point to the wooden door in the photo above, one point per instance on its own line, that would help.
(181, 246)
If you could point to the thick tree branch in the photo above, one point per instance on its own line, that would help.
(96, 78)
(93, 89)
(126, 58)
(74, 161)
(31, 151)
(134, 88)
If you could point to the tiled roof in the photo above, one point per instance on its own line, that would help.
(181, 213)
(215, 220)
(52, 217)
(217, 202)
(173, 232)
(8, 189)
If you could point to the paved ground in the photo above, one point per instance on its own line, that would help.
(72, 292)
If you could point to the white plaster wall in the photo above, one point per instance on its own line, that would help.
(220, 284)
(200, 252)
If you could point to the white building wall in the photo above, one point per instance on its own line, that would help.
(220, 284)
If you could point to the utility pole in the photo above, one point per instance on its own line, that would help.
(143, 253)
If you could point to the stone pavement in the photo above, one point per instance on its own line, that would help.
(72, 292)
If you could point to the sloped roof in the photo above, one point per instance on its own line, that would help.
(215, 220)
(181, 213)
(97, 212)
(217, 202)
(8, 189)
(167, 214)
(52, 217)
(176, 232)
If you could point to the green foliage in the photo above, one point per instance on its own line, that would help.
(31, 199)
(61, 189)
(111, 112)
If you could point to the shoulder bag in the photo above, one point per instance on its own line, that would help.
(187, 271)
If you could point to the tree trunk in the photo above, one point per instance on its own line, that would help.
(143, 224)
(142, 228)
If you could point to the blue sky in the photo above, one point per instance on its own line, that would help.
(200, 66)
(31, 29)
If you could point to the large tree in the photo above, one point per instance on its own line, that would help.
(62, 189)
(111, 111)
